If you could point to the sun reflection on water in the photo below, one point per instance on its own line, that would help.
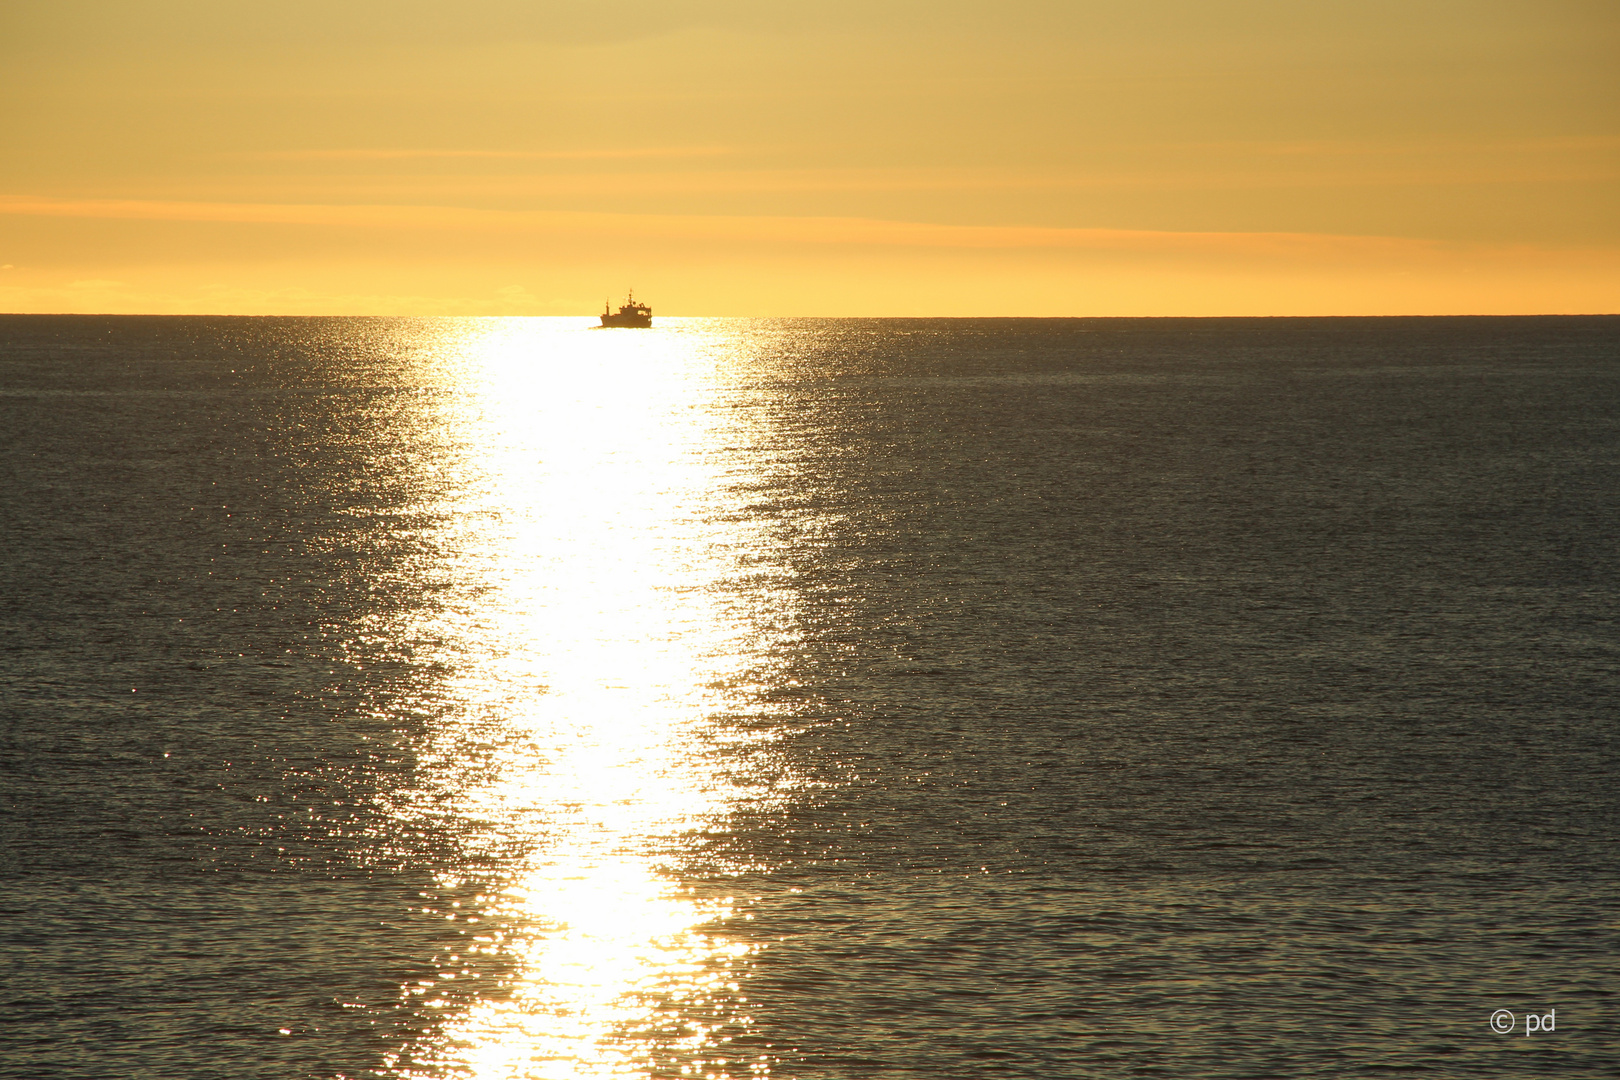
(591, 632)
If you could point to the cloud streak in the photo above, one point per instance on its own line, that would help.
(840, 231)
(363, 154)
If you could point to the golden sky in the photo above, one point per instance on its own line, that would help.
(880, 157)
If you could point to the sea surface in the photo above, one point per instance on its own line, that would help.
(821, 699)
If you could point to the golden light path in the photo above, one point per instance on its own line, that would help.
(606, 601)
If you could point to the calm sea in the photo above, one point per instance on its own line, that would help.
(832, 700)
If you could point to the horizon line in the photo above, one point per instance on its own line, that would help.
(785, 318)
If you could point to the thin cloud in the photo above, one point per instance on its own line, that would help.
(1305, 172)
(365, 154)
(832, 231)
(1427, 147)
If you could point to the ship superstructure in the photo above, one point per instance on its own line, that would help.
(630, 313)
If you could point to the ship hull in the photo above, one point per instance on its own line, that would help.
(627, 321)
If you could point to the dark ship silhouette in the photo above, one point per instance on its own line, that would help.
(630, 313)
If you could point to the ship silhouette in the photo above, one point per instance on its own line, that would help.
(630, 313)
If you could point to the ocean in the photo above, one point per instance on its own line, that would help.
(821, 699)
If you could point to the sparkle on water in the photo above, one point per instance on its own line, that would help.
(590, 642)
(824, 699)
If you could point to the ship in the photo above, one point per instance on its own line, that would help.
(630, 313)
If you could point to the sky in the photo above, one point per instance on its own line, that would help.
(881, 157)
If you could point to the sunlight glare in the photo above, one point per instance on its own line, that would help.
(591, 633)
